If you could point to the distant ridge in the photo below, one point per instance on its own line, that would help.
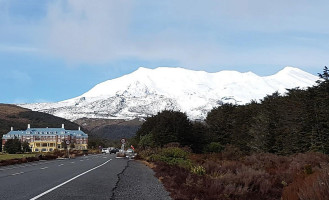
(145, 92)
(18, 118)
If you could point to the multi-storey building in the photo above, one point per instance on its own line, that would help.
(48, 139)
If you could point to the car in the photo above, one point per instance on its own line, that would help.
(130, 153)
(114, 150)
(105, 150)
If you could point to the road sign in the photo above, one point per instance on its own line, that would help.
(123, 141)
(67, 142)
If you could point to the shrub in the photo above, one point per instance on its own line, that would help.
(232, 153)
(12, 146)
(171, 156)
(146, 141)
(174, 152)
(198, 170)
(233, 175)
(214, 147)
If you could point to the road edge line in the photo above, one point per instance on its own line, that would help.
(77, 176)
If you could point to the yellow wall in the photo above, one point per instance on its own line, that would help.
(46, 146)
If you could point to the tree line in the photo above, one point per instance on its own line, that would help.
(297, 121)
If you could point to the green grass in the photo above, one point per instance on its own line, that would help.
(13, 156)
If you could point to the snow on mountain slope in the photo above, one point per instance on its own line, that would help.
(148, 91)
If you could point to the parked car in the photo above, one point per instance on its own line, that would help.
(114, 150)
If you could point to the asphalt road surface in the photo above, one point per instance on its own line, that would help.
(99, 177)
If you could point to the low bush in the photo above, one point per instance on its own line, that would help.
(214, 147)
(198, 170)
(170, 156)
(173, 152)
(258, 176)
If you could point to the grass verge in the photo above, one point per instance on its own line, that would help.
(16, 156)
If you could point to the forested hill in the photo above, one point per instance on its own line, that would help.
(296, 122)
(18, 118)
(282, 124)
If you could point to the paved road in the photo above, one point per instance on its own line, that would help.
(88, 177)
(138, 182)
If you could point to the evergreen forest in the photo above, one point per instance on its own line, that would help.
(283, 124)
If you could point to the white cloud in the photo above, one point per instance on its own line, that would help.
(84, 31)
(102, 31)
(191, 34)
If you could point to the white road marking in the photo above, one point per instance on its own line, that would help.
(44, 168)
(46, 192)
(12, 168)
(17, 173)
(72, 162)
(61, 165)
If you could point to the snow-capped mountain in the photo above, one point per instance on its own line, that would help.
(148, 91)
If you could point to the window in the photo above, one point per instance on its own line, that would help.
(44, 149)
(36, 150)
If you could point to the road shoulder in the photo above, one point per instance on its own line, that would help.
(138, 182)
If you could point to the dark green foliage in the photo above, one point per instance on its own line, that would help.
(325, 75)
(200, 137)
(172, 156)
(280, 124)
(13, 146)
(146, 141)
(221, 121)
(26, 147)
(95, 143)
(64, 145)
(167, 127)
(214, 147)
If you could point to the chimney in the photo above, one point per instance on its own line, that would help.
(11, 128)
(62, 125)
(79, 128)
(28, 126)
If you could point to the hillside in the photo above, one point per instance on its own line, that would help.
(111, 129)
(146, 92)
(18, 118)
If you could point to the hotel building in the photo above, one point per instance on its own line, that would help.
(48, 139)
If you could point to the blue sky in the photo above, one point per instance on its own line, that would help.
(55, 50)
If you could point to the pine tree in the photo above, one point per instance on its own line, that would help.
(13, 146)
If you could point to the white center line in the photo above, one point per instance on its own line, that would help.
(44, 168)
(60, 164)
(17, 173)
(72, 162)
(46, 192)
